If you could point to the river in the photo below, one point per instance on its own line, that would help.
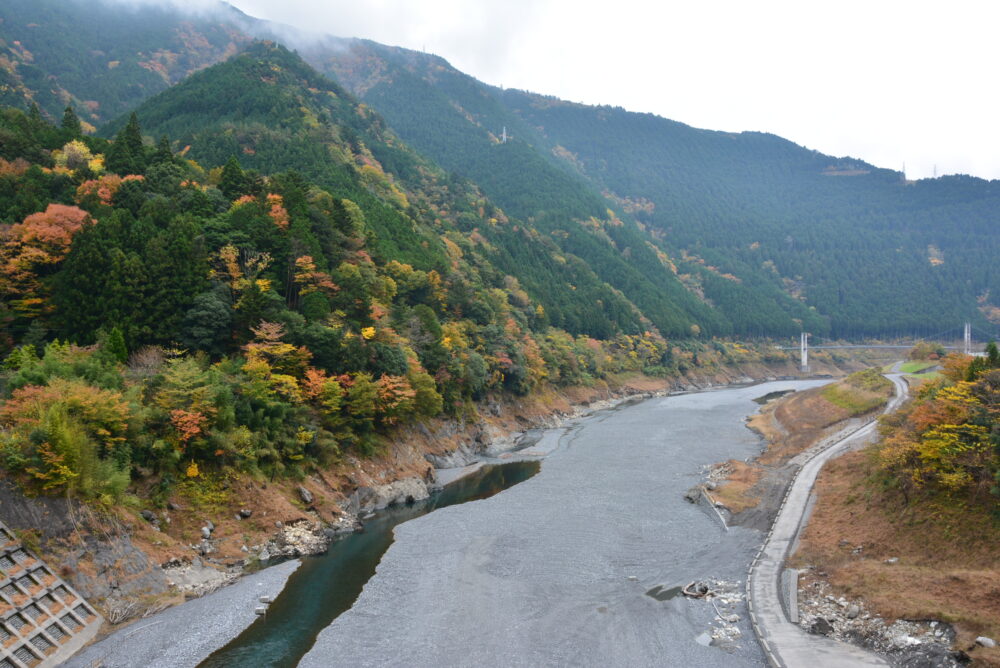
(560, 569)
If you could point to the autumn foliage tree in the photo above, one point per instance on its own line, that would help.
(947, 441)
(30, 253)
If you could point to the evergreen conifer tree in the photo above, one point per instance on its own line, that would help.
(71, 123)
(234, 181)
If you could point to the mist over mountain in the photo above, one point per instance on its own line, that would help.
(744, 234)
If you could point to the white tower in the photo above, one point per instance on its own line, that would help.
(804, 351)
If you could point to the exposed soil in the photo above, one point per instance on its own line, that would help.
(789, 425)
(911, 563)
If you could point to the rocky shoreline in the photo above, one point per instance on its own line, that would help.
(909, 643)
(307, 536)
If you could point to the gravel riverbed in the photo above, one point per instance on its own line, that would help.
(570, 567)
(186, 634)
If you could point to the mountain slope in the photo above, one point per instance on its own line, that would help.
(105, 58)
(743, 234)
(457, 121)
(836, 233)
(844, 230)
(281, 115)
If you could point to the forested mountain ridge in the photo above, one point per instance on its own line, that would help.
(745, 234)
(839, 230)
(281, 115)
(836, 233)
(526, 175)
(167, 321)
(103, 57)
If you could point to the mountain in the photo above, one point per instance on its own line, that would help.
(104, 57)
(733, 233)
(281, 115)
(870, 252)
(535, 179)
(170, 314)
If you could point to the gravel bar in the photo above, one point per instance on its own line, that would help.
(186, 634)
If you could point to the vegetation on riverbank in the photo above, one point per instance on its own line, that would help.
(171, 323)
(791, 425)
(911, 524)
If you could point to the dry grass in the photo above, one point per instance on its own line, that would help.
(793, 424)
(737, 494)
(949, 567)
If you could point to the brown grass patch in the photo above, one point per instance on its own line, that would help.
(949, 567)
(737, 492)
(791, 425)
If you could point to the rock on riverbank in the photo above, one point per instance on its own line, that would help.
(905, 642)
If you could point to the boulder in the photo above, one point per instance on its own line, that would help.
(367, 499)
(821, 627)
(298, 539)
(853, 611)
(149, 516)
(305, 495)
(986, 642)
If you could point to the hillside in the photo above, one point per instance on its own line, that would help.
(103, 57)
(835, 233)
(738, 234)
(282, 115)
(908, 527)
(173, 314)
(529, 176)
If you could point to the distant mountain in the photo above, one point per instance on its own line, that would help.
(649, 220)
(872, 254)
(456, 120)
(106, 57)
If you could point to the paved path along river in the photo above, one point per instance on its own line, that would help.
(786, 645)
(556, 570)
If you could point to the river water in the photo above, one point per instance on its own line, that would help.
(556, 570)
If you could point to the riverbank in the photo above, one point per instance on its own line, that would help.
(183, 636)
(771, 591)
(872, 572)
(132, 563)
(896, 576)
(792, 427)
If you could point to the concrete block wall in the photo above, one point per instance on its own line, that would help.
(43, 620)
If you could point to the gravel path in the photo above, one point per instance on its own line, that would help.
(186, 634)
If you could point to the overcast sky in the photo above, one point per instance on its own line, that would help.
(888, 81)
